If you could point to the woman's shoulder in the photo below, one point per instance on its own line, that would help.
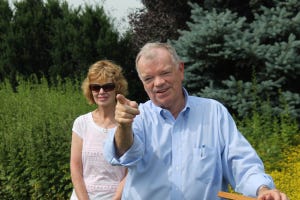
(83, 118)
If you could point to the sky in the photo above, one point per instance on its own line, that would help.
(116, 9)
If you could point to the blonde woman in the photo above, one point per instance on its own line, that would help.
(92, 176)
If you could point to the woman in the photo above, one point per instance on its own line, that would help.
(92, 176)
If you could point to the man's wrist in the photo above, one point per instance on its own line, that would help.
(262, 188)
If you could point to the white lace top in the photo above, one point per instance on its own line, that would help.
(101, 178)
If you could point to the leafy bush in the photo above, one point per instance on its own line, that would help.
(276, 139)
(270, 134)
(287, 179)
(35, 131)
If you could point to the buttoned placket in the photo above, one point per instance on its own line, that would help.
(177, 188)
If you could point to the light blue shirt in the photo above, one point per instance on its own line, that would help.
(192, 157)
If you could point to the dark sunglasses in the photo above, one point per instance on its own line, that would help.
(106, 87)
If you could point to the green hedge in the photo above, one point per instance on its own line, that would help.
(35, 131)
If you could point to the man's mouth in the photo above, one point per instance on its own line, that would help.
(161, 90)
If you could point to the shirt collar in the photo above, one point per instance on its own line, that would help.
(187, 106)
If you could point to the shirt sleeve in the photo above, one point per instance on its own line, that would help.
(130, 157)
(243, 167)
(79, 126)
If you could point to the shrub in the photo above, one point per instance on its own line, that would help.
(35, 131)
(287, 179)
(270, 134)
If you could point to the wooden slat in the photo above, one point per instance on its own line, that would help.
(233, 196)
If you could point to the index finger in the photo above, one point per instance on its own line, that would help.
(122, 99)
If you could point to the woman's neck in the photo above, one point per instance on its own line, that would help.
(104, 117)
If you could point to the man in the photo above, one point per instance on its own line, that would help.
(178, 146)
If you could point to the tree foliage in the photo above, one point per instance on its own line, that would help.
(52, 39)
(5, 17)
(27, 41)
(230, 59)
(160, 20)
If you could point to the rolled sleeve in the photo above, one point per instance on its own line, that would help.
(109, 150)
(130, 157)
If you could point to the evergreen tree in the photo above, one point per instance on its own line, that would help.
(62, 34)
(48, 38)
(27, 43)
(159, 20)
(236, 61)
(5, 18)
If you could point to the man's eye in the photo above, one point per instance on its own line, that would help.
(147, 79)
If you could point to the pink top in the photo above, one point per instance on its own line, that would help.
(101, 178)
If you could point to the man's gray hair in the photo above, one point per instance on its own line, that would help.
(146, 52)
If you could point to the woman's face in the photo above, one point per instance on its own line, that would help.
(104, 92)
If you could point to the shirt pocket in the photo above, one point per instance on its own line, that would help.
(206, 163)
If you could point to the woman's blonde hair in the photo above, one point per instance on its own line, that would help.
(101, 71)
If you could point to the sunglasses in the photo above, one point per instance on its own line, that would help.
(106, 87)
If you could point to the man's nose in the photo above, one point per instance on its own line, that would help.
(158, 81)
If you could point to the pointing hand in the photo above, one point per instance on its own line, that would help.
(126, 110)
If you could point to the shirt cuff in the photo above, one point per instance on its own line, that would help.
(133, 154)
(254, 182)
(260, 187)
(130, 157)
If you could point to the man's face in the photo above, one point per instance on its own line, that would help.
(162, 80)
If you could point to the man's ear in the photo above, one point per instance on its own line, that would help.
(181, 69)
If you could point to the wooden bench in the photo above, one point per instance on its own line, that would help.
(233, 196)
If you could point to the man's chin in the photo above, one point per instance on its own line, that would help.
(162, 104)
